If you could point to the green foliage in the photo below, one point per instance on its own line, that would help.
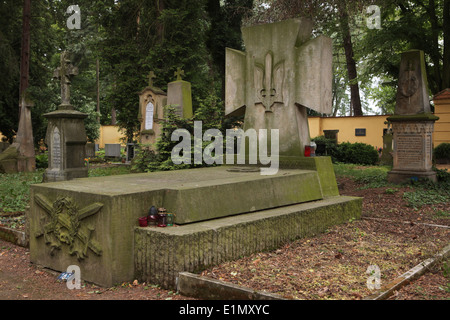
(14, 190)
(442, 152)
(371, 177)
(326, 147)
(42, 161)
(357, 153)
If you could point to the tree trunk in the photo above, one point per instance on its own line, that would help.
(25, 55)
(446, 27)
(435, 55)
(351, 64)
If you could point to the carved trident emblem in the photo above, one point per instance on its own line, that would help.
(65, 226)
(269, 82)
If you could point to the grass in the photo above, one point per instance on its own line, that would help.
(420, 194)
(15, 188)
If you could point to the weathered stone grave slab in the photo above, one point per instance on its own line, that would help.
(90, 222)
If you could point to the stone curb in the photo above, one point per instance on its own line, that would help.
(410, 276)
(14, 236)
(205, 288)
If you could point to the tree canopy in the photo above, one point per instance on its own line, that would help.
(120, 42)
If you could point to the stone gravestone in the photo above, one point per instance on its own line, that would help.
(66, 134)
(151, 112)
(20, 156)
(386, 153)
(112, 150)
(412, 122)
(179, 95)
(282, 73)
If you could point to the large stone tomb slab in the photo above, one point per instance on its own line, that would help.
(90, 222)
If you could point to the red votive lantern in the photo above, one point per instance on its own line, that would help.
(307, 151)
(143, 222)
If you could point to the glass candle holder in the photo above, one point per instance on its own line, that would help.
(162, 222)
(170, 219)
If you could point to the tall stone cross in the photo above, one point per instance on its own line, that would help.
(65, 72)
(282, 73)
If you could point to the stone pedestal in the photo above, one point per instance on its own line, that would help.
(66, 140)
(413, 148)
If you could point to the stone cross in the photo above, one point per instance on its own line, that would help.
(179, 73)
(65, 73)
(151, 76)
(282, 73)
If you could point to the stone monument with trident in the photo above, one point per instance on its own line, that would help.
(66, 134)
(283, 72)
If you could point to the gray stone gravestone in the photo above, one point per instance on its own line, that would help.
(112, 150)
(90, 150)
(66, 134)
(179, 95)
(412, 122)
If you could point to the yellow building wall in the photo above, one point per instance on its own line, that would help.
(347, 126)
(442, 126)
(374, 126)
(110, 135)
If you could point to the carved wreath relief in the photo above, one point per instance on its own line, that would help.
(409, 82)
(64, 225)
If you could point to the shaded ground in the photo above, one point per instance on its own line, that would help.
(391, 235)
(333, 265)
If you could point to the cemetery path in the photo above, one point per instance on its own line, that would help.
(21, 280)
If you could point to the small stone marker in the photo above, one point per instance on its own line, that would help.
(412, 123)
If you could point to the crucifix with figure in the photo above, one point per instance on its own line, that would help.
(283, 72)
(65, 72)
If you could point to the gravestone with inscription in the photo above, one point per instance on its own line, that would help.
(412, 122)
(151, 112)
(66, 134)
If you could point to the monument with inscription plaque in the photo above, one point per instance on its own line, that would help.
(66, 134)
(412, 123)
(151, 110)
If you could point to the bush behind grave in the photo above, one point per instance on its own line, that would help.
(356, 153)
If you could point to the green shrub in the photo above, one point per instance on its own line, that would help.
(326, 147)
(356, 153)
(42, 161)
(442, 152)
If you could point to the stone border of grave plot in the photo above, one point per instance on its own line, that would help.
(14, 236)
(199, 287)
(409, 276)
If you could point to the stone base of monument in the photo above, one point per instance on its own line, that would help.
(413, 147)
(409, 176)
(161, 253)
(93, 223)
